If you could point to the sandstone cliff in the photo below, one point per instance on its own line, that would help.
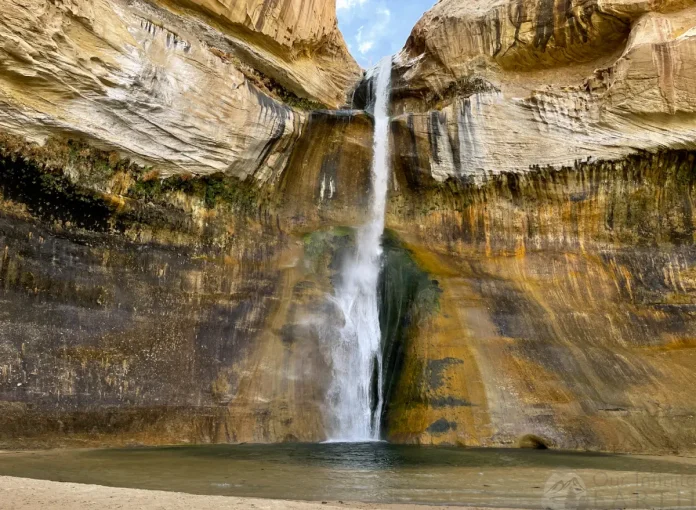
(528, 138)
(296, 43)
(524, 84)
(166, 254)
(160, 85)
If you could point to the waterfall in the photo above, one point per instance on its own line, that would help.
(355, 393)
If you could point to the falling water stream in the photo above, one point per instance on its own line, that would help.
(355, 394)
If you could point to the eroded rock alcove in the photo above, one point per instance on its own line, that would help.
(179, 179)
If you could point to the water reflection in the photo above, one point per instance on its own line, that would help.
(376, 472)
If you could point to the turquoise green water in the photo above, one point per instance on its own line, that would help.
(377, 472)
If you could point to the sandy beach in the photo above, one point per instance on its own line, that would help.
(28, 494)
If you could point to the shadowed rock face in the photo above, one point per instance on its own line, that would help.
(168, 252)
(556, 305)
(140, 310)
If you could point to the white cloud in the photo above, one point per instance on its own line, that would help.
(347, 5)
(365, 46)
(366, 39)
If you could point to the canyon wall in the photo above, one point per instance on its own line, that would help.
(149, 274)
(176, 201)
(164, 88)
(140, 310)
(523, 84)
(564, 315)
(543, 178)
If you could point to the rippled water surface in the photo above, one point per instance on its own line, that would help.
(378, 472)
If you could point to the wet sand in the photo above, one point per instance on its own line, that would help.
(28, 494)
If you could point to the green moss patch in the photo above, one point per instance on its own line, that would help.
(326, 248)
(71, 184)
(50, 196)
(212, 190)
(408, 295)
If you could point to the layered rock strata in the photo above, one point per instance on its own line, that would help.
(165, 88)
(297, 44)
(144, 310)
(168, 250)
(565, 308)
(514, 85)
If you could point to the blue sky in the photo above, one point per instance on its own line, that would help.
(376, 28)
